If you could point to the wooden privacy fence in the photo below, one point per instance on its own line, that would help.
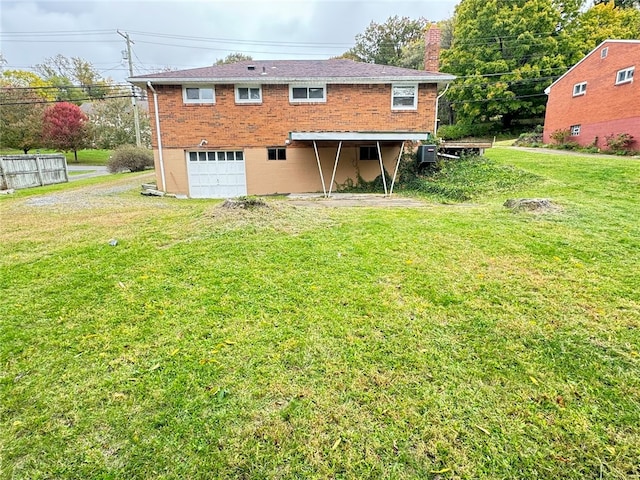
(24, 171)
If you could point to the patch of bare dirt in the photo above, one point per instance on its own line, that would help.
(535, 205)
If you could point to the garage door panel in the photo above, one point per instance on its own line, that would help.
(222, 175)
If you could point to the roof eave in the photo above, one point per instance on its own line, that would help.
(439, 79)
(600, 45)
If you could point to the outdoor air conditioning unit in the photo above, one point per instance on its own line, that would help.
(427, 154)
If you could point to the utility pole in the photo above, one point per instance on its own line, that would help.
(136, 117)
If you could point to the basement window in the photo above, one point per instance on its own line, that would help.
(369, 152)
(625, 76)
(276, 153)
(198, 94)
(579, 89)
(248, 94)
(574, 130)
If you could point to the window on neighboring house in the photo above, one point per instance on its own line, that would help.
(198, 94)
(276, 153)
(404, 97)
(579, 89)
(574, 130)
(248, 94)
(624, 76)
(307, 93)
(369, 152)
(217, 156)
(604, 52)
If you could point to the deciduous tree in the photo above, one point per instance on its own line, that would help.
(113, 124)
(20, 119)
(75, 78)
(233, 58)
(65, 127)
(22, 97)
(397, 41)
(620, 3)
(600, 22)
(506, 53)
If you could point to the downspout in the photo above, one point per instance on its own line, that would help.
(435, 123)
(160, 158)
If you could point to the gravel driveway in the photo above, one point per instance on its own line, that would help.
(93, 196)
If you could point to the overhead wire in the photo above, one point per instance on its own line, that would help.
(490, 41)
(36, 102)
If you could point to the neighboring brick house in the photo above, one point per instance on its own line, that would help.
(265, 127)
(598, 96)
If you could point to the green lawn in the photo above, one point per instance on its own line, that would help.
(85, 157)
(450, 341)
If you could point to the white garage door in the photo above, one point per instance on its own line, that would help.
(216, 174)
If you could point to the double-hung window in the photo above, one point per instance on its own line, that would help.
(307, 93)
(193, 94)
(248, 94)
(625, 76)
(404, 96)
(579, 89)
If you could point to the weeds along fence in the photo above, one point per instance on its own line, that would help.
(24, 171)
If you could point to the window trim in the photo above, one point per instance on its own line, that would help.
(206, 101)
(415, 97)
(579, 89)
(277, 150)
(628, 78)
(249, 86)
(574, 130)
(604, 52)
(323, 86)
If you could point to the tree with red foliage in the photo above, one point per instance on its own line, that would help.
(65, 127)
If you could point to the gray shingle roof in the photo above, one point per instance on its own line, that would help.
(285, 71)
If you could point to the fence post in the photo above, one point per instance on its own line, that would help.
(64, 168)
(4, 179)
(39, 168)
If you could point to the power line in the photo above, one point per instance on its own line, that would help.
(226, 49)
(505, 99)
(36, 102)
(59, 41)
(57, 32)
(67, 87)
(237, 41)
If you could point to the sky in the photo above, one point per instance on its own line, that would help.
(187, 34)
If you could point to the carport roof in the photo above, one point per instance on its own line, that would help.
(361, 136)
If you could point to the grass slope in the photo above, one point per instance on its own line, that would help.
(438, 342)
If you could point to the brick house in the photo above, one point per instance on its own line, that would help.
(265, 127)
(598, 96)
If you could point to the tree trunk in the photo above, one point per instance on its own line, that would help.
(75, 155)
(25, 150)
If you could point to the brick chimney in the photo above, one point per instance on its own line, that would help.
(432, 49)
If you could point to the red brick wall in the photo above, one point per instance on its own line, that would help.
(227, 125)
(606, 108)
